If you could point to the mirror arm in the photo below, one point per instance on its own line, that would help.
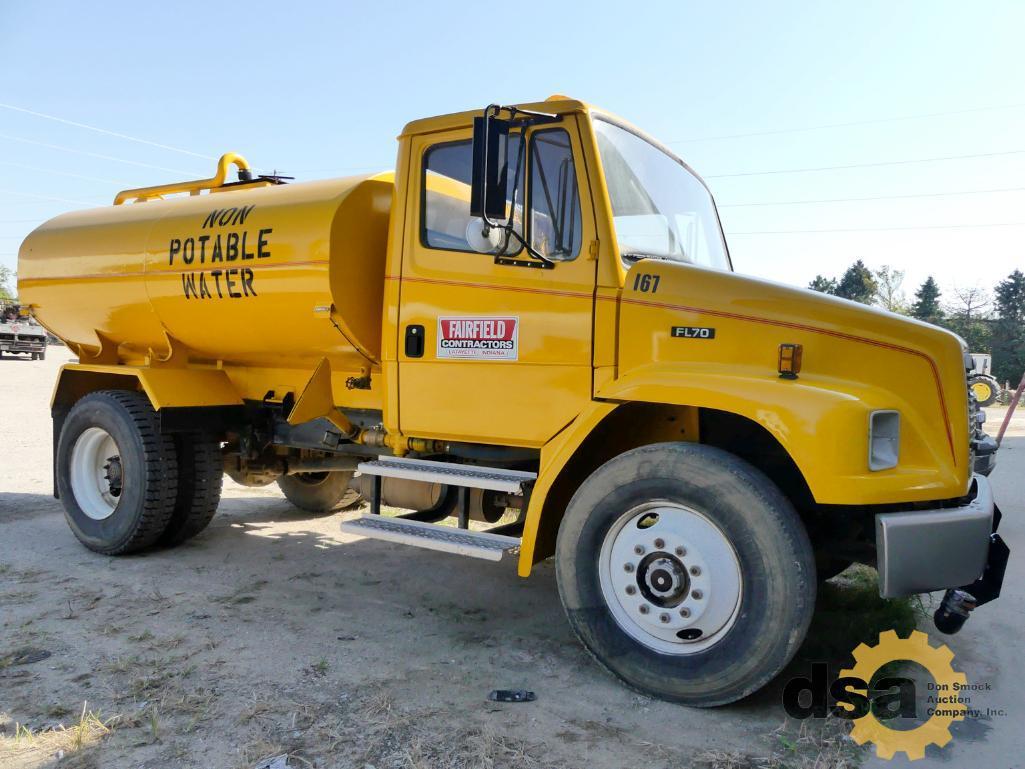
(527, 246)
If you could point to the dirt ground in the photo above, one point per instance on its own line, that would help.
(273, 634)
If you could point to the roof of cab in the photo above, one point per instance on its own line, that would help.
(558, 103)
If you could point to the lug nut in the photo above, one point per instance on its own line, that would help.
(695, 571)
(663, 618)
(639, 549)
(628, 568)
(680, 551)
(685, 612)
(696, 595)
(660, 543)
(644, 608)
(630, 590)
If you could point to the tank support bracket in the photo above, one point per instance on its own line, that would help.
(177, 355)
(105, 354)
(317, 400)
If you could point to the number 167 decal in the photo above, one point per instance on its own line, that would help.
(646, 283)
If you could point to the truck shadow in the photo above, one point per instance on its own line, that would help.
(16, 506)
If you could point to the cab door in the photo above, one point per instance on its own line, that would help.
(497, 348)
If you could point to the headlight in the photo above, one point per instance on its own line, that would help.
(883, 439)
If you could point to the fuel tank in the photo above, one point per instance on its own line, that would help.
(256, 275)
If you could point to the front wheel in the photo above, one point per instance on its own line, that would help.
(686, 573)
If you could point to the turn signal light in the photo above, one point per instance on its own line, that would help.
(790, 360)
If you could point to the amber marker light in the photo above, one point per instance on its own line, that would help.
(790, 360)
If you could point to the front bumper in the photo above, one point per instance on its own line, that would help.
(924, 550)
(985, 453)
(24, 344)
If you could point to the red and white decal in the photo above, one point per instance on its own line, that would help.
(469, 338)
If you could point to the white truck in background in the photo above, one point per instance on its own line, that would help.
(20, 333)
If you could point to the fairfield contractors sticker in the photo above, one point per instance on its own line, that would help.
(478, 338)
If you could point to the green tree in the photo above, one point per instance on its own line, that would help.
(927, 302)
(823, 285)
(1008, 342)
(889, 295)
(858, 284)
(6, 282)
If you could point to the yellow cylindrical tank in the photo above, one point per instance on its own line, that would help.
(257, 275)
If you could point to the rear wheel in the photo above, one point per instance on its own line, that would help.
(200, 477)
(319, 492)
(117, 475)
(686, 573)
(985, 390)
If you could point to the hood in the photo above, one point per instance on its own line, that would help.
(725, 327)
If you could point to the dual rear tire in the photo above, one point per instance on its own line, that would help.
(125, 485)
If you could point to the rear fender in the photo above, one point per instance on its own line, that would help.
(165, 387)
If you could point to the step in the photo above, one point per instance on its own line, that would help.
(476, 544)
(472, 476)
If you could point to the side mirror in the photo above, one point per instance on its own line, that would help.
(484, 239)
(490, 167)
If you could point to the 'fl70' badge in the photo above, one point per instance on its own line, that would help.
(692, 332)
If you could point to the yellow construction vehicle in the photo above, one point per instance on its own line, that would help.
(532, 321)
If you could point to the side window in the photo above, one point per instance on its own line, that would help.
(554, 197)
(446, 193)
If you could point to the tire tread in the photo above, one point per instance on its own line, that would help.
(200, 482)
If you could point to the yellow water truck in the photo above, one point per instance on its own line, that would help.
(532, 323)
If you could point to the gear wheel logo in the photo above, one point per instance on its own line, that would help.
(935, 731)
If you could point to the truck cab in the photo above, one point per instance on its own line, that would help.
(531, 322)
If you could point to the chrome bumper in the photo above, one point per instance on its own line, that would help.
(925, 550)
(22, 345)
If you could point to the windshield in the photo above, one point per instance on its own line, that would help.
(659, 208)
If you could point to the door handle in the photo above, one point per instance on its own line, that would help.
(414, 341)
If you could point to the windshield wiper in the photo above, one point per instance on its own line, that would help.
(636, 256)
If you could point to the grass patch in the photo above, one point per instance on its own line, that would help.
(28, 748)
(849, 611)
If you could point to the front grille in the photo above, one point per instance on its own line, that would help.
(976, 432)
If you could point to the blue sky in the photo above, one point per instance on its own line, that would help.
(320, 89)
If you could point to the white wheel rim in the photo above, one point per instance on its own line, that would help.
(95, 463)
(675, 585)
